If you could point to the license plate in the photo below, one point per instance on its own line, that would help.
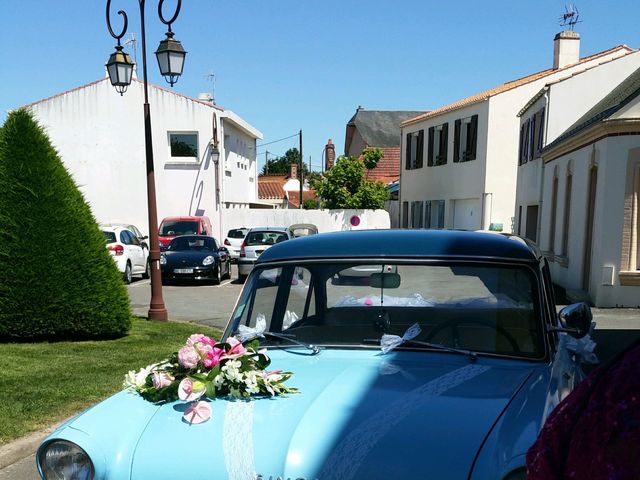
(183, 270)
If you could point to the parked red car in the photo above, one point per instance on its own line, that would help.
(172, 227)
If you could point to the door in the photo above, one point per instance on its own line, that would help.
(466, 214)
(531, 231)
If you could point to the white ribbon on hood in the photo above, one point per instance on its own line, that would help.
(389, 342)
(244, 333)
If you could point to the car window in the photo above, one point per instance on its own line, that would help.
(124, 237)
(488, 308)
(110, 237)
(196, 244)
(237, 233)
(264, 238)
(133, 240)
(178, 227)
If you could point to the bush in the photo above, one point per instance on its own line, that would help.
(57, 279)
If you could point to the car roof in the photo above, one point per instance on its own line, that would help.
(270, 229)
(187, 217)
(408, 244)
(112, 228)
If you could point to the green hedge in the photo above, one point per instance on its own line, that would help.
(57, 280)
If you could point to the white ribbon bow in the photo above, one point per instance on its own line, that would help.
(389, 342)
(245, 333)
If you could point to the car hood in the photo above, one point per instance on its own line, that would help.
(187, 258)
(359, 414)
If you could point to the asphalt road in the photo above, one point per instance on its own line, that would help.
(201, 303)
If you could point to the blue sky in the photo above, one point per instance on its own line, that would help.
(287, 65)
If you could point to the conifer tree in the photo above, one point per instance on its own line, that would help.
(57, 280)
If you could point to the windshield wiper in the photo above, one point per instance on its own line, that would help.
(473, 356)
(292, 339)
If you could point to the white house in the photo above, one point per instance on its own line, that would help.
(590, 222)
(100, 137)
(459, 162)
(546, 116)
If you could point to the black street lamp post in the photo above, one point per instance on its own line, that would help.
(170, 55)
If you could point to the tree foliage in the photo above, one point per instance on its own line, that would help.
(280, 165)
(345, 185)
(57, 278)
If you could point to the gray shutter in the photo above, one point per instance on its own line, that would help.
(420, 149)
(472, 139)
(430, 148)
(532, 138)
(456, 140)
(540, 144)
(521, 145)
(407, 163)
(444, 143)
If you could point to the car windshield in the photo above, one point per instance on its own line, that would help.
(195, 244)
(110, 237)
(178, 227)
(237, 233)
(490, 309)
(255, 239)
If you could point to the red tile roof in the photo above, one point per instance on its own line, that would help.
(388, 168)
(482, 96)
(269, 190)
(294, 197)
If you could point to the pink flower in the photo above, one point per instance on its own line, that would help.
(236, 350)
(198, 412)
(162, 379)
(190, 390)
(199, 338)
(213, 357)
(188, 357)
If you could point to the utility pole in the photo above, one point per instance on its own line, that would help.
(300, 164)
(266, 162)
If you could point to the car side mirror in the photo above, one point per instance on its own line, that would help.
(144, 237)
(576, 319)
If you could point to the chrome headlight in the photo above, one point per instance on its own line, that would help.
(208, 260)
(62, 460)
(163, 260)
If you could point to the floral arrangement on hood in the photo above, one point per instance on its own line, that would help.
(203, 368)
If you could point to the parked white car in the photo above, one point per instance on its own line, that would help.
(234, 240)
(126, 250)
(257, 241)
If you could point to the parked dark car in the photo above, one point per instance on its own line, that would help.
(195, 257)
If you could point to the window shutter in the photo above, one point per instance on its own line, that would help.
(444, 142)
(521, 145)
(540, 144)
(472, 139)
(532, 138)
(407, 163)
(525, 147)
(456, 140)
(420, 149)
(430, 148)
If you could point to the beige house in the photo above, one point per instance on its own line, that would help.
(590, 225)
(459, 162)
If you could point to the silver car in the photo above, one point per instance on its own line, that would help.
(257, 241)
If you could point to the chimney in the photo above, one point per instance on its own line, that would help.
(206, 97)
(293, 170)
(330, 155)
(566, 49)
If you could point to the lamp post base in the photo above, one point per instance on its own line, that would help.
(158, 314)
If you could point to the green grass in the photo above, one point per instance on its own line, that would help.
(44, 383)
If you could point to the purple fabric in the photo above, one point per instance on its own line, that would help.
(594, 433)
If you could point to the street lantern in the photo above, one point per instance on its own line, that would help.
(170, 55)
(120, 69)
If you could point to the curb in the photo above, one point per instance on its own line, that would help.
(21, 448)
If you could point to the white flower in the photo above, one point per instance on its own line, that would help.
(218, 380)
(251, 383)
(136, 380)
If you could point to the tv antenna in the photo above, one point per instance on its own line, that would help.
(131, 40)
(570, 16)
(211, 77)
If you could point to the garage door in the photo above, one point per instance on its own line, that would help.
(466, 214)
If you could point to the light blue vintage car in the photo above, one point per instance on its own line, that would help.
(418, 354)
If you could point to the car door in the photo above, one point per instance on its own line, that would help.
(136, 253)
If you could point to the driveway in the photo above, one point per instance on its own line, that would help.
(195, 302)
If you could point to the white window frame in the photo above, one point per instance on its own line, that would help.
(183, 159)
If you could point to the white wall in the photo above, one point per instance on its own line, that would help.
(100, 137)
(325, 220)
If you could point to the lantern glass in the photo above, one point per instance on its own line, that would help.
(170, 55)
(120, 69)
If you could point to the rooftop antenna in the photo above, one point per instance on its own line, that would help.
(570, 16)
(210, 77)
(131, 40)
